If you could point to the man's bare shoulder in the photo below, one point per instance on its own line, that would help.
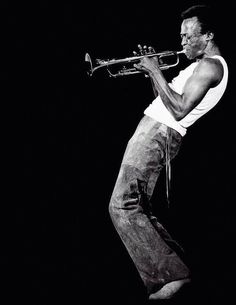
(211, 68)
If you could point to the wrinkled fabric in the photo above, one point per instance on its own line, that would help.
(148, 243)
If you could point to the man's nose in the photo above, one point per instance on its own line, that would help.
(183, 41)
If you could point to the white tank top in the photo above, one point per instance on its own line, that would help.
(160, 113)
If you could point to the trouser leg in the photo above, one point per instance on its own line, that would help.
(146, 240)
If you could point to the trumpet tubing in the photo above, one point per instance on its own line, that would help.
(124, 70)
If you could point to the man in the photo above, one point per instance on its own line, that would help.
(155, 142)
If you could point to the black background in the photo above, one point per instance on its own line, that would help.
(74, 130)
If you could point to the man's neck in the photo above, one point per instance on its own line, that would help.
(211, 50)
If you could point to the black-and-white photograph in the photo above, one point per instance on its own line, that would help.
(127, 119)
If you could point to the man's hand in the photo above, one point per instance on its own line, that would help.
(144, 50)
(146, 64)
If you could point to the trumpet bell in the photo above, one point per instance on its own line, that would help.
(89, 63)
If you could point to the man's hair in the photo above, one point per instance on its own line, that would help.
(205, 15)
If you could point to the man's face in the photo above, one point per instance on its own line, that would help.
(192, 40)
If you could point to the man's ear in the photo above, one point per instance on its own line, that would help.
(210, 35)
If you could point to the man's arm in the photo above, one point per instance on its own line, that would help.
(154, 87)
(207, 74)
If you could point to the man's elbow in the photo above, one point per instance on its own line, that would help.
(181, 112)
(179, 115)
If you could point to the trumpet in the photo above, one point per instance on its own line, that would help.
(166, 60)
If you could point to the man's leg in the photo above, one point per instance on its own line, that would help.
(147, 244)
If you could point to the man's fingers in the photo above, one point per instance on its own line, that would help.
(138, 67)
(151, 49)
(143, 50)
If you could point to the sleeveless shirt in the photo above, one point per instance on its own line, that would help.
(158, 111)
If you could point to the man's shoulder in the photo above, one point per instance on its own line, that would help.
(211, 67)
(211, 63)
